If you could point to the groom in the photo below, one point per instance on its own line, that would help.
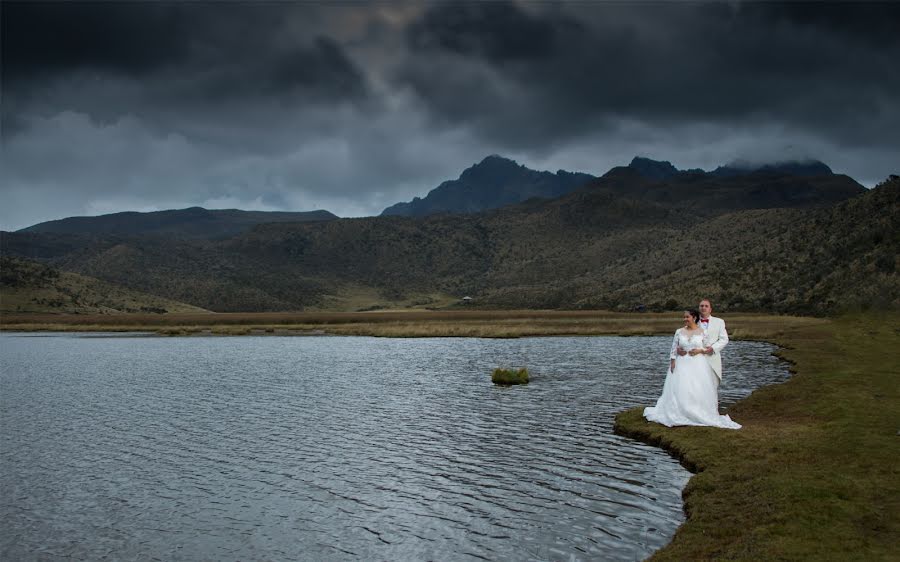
(714, 334)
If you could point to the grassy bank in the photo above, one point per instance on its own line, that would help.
(461, 323)
(813, 474)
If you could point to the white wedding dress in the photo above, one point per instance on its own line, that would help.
(690, 393)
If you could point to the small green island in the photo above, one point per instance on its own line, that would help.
(509, 377)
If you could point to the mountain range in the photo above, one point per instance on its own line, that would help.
(496, 182)
(764, 240)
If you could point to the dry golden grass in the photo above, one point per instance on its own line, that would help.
(459, 323)
(354, 297)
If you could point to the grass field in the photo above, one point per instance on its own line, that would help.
(461, 323)
(813, 474)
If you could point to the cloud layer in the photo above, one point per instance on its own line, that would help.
(143, 106)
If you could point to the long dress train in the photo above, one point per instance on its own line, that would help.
(690, 393)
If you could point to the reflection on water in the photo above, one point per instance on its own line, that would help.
(270, 448)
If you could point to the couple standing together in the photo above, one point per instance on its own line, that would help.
(690, 394)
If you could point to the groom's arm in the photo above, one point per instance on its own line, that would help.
(720, 343)
(723, 339)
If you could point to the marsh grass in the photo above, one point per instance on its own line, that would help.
(510, 376)
(484, 324)
(813, 474)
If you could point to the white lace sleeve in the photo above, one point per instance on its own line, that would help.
(673, 353)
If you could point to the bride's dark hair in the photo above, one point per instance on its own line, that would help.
(694, 313)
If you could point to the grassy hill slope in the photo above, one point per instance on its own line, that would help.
(32, 287)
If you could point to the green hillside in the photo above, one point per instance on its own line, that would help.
(31, 287)
(751, 243)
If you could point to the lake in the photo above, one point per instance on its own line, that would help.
(334, 448)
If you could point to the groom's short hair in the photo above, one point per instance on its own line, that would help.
(706, 300)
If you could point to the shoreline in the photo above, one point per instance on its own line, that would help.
(811, 475)
(462, 323)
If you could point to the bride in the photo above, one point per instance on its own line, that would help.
(690, 394)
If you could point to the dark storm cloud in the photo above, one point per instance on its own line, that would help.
(874, 22)
(111, 106)
(212, 51)
(143, 105)
(40, 38)
(498, 31)
(822, 67)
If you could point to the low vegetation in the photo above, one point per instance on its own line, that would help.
(510, 376)
(458, 323)
(30, 287)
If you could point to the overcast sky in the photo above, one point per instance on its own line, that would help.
(352, 107)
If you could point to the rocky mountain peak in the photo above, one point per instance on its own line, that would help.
(653, 169)
(491, 168)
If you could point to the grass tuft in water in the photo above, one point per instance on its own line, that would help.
(510, 376)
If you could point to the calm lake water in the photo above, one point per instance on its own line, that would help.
(332, 448)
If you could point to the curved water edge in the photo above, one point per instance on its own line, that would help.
(338, 447)
(642, 434)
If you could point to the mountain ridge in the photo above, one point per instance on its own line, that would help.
(497, 181)
(492, 183)
(192, 222)
(663, 169)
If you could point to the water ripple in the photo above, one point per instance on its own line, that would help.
(261, 448)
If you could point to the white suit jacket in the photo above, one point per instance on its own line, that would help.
(717, 337)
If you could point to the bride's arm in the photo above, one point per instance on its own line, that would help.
(674, 351)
